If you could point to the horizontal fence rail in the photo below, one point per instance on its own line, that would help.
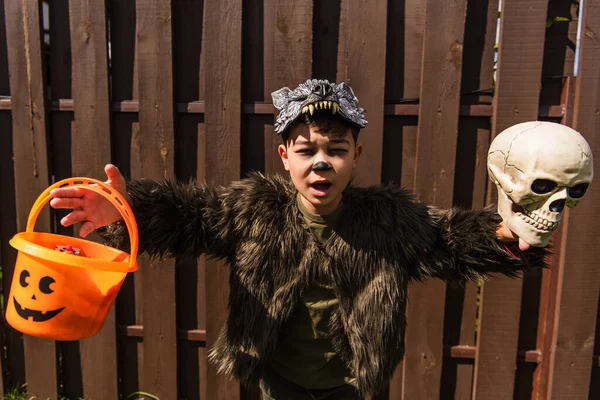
(260, 108)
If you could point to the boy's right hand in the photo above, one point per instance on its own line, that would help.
(89, 207)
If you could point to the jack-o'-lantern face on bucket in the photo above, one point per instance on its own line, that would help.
(35, 295)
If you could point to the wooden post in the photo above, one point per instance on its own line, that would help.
(470, 184)
(156, 161)
(14, 361)
(406, 26)
(434, 182)
(223, 28)
(124, 127)
(28, 95)
(577, 302)
(90, 151)
(518, 82)
(364, 43)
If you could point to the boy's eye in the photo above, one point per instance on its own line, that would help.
(338, 151)
(305, 151)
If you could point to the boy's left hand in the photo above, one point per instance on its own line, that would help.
(506, 235)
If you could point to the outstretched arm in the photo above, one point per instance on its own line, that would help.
(468, 246)
(174, 219)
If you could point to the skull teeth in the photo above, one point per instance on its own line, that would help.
(538, 222)
(321, 105)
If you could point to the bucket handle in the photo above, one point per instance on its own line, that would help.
(105, 191)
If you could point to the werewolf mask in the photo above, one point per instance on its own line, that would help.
(316, 94)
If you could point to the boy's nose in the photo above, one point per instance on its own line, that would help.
(321, 166)
(322, 89)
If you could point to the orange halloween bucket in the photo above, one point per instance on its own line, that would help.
(63, 287)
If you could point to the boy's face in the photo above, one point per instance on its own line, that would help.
(321, 190)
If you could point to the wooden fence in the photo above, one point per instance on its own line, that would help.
(181, 89)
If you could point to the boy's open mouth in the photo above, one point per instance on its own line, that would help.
(320, 188)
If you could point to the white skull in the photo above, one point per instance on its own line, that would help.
(538, 168)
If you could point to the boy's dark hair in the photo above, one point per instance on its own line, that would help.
(324, 121)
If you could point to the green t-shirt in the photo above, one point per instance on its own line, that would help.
(304, 354)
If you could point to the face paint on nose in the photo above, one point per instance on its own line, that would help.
(321, 166)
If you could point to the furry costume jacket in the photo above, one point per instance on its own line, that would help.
(384, 240)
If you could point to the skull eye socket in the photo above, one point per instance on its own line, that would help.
(23, 278)
(543, 186)
(45, 283)
(577, 191)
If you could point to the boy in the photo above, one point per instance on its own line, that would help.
(319, 269)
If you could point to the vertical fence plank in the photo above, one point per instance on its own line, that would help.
(190, 274)
(201, 284)
(550, 289)
(406, 22)
(122, 16)
(362, 47)
(326, 35)
(537, 304)
(404, 55)
(61, 127)
(470, 183)
(559, 49)
(434, 181)
(516, 100)
(253, 75)
(123, 66)
(342, 53)
(61, 123)
(13, 366)
(255, 130)
(364, 42)
(31, 166)
(292, 63)
(269, 19)
(12, 372)
(154, 52)
(223, 28)
(293, 42)
(477, 86)
(413, 64)
(558, 87)
(91, 145)
(4, 85)
(557, 63)
(578, 298)
(90, 148)
(269, 85)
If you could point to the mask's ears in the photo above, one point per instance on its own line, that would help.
(280, 97)
(282, 150)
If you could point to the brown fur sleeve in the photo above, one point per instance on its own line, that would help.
(467, 248)
(174, 219)
(455, 245)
